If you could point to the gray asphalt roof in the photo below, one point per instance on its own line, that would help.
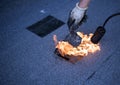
(27, 59)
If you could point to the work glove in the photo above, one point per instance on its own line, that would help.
(76, 16)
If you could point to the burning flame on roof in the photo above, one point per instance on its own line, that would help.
(85, 47)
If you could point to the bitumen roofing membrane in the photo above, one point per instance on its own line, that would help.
(29, 59)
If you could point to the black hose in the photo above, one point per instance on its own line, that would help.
(100, 31)
(113, 15)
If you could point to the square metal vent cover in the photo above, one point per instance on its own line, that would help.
(45, 26)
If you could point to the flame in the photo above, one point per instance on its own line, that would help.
(85, 47)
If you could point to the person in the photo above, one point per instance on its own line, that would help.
(78, 11)
(75, 18)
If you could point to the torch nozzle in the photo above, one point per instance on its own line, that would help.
(98, 34)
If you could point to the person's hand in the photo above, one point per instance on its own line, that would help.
(76, 15)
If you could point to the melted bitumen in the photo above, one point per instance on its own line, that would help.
(73, 39)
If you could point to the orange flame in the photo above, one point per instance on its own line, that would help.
(85, 47)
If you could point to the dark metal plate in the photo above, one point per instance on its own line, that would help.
(45, 26)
